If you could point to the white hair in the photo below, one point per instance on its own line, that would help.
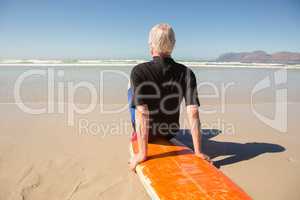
(162, 39)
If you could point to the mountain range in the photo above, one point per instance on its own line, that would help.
(261, 57)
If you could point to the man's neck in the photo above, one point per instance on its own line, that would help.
(154, 54)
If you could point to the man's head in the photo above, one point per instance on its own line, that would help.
(161, 40)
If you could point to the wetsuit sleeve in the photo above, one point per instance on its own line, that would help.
(191, 94)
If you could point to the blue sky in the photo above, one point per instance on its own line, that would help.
(119, 29)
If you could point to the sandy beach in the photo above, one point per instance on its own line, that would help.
(48, 156)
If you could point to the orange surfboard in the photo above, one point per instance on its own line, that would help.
(173, 172)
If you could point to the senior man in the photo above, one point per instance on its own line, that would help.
(158, 88)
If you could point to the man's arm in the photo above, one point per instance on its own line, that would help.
(195, 126)
(142, 129)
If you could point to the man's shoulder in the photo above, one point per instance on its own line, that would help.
(144, 67)
(140, 68)
(183, 67)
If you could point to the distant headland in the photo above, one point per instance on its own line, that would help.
(261, 57)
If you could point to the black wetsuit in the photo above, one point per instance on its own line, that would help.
(161, 84)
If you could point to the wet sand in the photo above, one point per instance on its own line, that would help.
(44, 157)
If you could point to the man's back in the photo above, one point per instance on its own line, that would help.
(158, 89)
(161, 84)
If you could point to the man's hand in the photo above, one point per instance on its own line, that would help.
(203, 156)
(142, 131)
(135, 160)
